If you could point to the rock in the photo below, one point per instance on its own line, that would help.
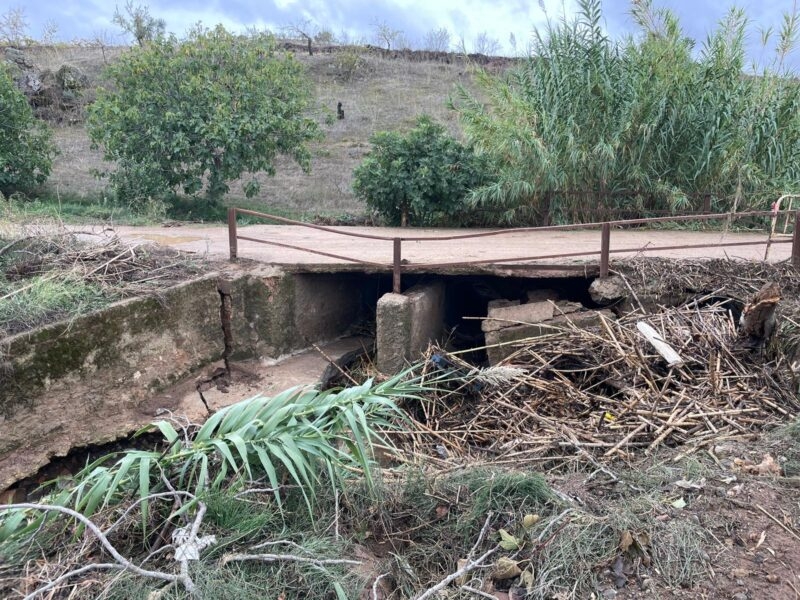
(609, 290)
(741, 596)
(71, 78)
(501, 303)
(566, 307)
(17, 57)
(495, 353)
(510, 316)
(609, 593)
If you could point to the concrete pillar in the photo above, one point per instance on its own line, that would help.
(406, 323)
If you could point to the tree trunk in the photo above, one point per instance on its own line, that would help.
(758, 319)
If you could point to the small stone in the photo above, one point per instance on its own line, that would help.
(646, 584)
(609, 593)
(772, 578)
(741, 596)
(609, 290)
(739, 573)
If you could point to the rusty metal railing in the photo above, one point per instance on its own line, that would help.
(605, 251)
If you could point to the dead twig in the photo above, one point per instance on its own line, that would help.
(121, 561)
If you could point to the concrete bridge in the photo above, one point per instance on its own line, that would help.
(415, 308)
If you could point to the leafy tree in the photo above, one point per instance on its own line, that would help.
(419, 178)
(26, 150)
(199, 113)
(137, 21)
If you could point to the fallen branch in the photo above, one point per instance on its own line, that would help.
(317, 562)
(478, 592)
(122, 562)
(375, 585)
(467, 568)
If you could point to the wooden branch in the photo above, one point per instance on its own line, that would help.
(317, 562)
(124, 563)
(470, 566)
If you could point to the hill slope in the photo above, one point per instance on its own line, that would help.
(377, 92)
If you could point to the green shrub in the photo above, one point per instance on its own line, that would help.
(420, 178)
(26, 150)
(197, 113)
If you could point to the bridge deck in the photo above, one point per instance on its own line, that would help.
(213, 240)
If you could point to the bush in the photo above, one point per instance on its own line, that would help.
(197, 113)
(26, 149)
(420, 178)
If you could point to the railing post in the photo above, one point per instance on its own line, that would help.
(396, 267)
(232, 241)
(796, 242)
(605, 245)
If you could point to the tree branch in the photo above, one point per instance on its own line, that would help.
(318, 562)
(470, 566)
(123, 562)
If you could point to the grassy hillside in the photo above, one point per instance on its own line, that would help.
(377, 93)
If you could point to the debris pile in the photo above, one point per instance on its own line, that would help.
(607, 390)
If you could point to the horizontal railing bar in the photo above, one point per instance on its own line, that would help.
(328, 254)
(493, 232)
(574, 226)
(368, 236)
(485, 261)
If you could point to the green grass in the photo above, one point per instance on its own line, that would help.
(74, 209)
(31, 302)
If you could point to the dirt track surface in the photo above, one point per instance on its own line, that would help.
(213, 240)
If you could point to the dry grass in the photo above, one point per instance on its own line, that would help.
(378, 94)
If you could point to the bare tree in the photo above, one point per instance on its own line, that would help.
(486, 45)
(137, 21)
(303, 29)
(385, 34)
(14, 27)
(49, 32)
(102, 39)
(437, 40)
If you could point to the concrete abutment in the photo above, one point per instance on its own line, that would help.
(406, 323)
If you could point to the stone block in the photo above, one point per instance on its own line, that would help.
(500, 342)
(406, 323)
(501, 303)
(510, 316)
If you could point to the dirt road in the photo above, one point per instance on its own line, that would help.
(213, 241)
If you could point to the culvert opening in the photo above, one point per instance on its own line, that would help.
(469, 299)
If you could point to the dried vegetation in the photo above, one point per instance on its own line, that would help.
(49, 272)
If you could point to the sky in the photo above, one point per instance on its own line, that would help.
(358, 20)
